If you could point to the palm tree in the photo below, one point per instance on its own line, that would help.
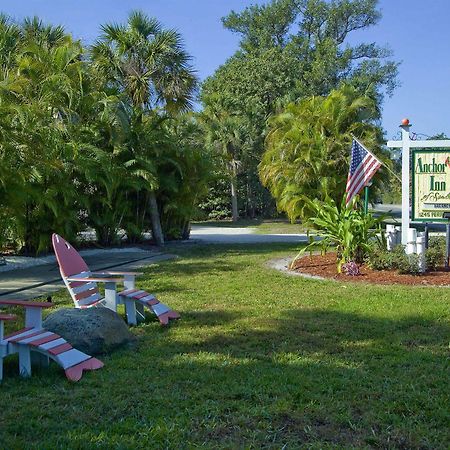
(308, 147)
(150, 68)
(226, 135)
(40, 89)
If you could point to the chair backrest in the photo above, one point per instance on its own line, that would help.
(71, 264)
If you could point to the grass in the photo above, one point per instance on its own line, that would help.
(259, 360)
(260, 226)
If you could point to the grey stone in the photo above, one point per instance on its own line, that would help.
(93, 331)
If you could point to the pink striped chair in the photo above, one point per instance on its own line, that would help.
(82, 286)
(35, 341)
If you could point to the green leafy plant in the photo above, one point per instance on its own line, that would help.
(349, 230)
(435, 254)
(379, 258)
(408, 264)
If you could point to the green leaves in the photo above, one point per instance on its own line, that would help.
(308, 147)
(83, 142)
(347, 229)
(147, 62)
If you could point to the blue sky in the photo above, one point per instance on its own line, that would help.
(417, 31)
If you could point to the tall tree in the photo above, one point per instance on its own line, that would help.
(293, 49)
(225, 134)
(150, 67)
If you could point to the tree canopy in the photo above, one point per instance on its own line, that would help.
(308, 148)
(96, 137)
(291, 50)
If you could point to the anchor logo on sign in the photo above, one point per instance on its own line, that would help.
(447, 161)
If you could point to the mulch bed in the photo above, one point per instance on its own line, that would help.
(325, 266)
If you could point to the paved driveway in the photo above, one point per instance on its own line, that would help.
(228, 235)
(43, 278)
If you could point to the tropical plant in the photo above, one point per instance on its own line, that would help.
(308, 148)
(84, 143)
(291, 50)
(40, 88)
(149, 66)
(185, 171)
(225, 134)
(347, 229)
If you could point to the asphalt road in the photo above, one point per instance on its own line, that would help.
(228, 235)
(44, 279)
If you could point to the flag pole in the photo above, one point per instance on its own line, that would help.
(366, 199)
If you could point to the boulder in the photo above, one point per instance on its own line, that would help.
(93, 331)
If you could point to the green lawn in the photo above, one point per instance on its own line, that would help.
(259, 360)
(260, 226)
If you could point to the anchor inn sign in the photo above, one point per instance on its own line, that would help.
(430, 185)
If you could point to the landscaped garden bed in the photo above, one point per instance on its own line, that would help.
(325, 266)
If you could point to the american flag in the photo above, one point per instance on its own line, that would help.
(363, 166)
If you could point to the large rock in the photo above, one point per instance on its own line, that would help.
(93, 330)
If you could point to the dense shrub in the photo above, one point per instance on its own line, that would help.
(435, 254)
(84, 145)
(379, 258)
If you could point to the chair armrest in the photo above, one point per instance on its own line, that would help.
(96, 279)
(33, 310)
(26, 303)
(118, 273)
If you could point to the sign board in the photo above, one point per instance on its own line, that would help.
(430, 185)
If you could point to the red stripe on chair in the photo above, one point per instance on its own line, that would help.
(44, 340)
(14, 341)
(164, 318)
(139, 296)
(74, 373)
(152, 302)
(86, 294)
(74, 284)
(18, 332)
(59, 349)
(26, 303)
(128, 291)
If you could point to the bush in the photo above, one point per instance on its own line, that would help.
(408, 264)
(379, 258)
(435, 254)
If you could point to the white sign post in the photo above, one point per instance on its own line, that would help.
(406, 144)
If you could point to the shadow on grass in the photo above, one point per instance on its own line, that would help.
(322, 378)
(297, 378)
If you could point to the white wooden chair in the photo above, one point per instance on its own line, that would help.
(82, 286)
(33, 340)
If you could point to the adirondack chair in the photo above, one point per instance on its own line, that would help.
(35, 341)
(82, 286)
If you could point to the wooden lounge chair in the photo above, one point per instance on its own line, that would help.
(82, 286)
(35, 341)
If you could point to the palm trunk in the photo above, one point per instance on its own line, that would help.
(156, 222)
(250, 206)
(234, 205)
